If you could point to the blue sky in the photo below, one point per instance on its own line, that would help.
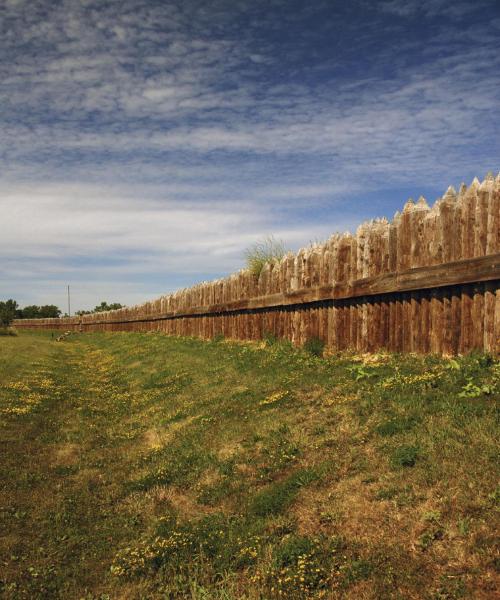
(145, 145)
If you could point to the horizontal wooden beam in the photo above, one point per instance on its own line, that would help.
(472, 270)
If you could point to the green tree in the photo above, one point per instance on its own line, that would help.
(8, 312)
(29, 312)
(104, 306)
(38, 312)
(49, 311)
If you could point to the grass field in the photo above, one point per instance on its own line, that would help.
(142, 466)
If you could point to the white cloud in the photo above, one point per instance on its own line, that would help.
(100, 240)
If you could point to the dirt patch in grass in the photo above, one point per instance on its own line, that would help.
(66, 454)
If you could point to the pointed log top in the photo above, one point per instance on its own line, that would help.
(379, 224)
(397, 218)
(450, 193)
(361, 229)
(422, 204)
(409, 205)
(475, 183)
(462, 190)
(435, 207)
(488, 183)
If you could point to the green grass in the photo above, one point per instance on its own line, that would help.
(142, 466)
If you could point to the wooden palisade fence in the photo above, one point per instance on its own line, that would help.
(426, 282)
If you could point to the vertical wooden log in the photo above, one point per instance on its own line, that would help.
(271, 314)
(406, 322)
(324, 279)
(424, 319)
(466, 330)
(393, 242)
(305, 281)
(467, 217)
(493, 224)
(489, 316)
(290, 268)
(478, 317)
(403, 263)
(294, 285)
(342, 341)
(447, 332)
(262, 292)
(404, 237)
(436, 323)
(372, 268)
(416, 217)
(496, 327)
(394, 324)
(398, 322)
(350, 312)
(447, 224)
(315, 266)
(433, 233)
(314, 269)
(333, 244)
(361, 270)
(448, 235)
(391, 341)
(332, 327)
(481, 215)
(456, 319)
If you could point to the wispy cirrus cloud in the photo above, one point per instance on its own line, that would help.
(180, 132)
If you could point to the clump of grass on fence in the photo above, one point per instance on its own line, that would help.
(269, 250)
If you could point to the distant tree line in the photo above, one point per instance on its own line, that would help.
(38, 312)
(9, 310)
(104, 306)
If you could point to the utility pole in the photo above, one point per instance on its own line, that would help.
(69, 304)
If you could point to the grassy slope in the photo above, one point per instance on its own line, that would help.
(141, 466)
